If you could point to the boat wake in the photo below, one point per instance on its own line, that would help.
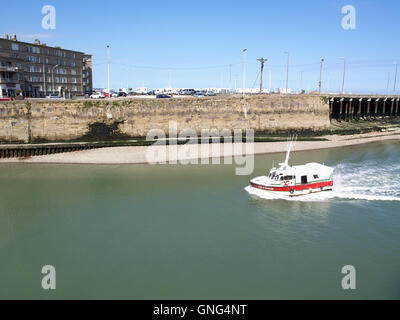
(369, 180)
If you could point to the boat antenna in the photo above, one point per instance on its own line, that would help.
(291, 142)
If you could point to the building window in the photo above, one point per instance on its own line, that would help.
(73, 71)
(33, 59)
(73, 80)
(15, 46)
(61, 71)
(32, 49)
(74, 88)
(34, 79)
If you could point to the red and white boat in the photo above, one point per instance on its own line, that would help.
(295, 180)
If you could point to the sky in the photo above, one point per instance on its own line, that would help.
(199, 44)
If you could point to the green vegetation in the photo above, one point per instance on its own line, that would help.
(104, 131)
(325, 99)
(88, 104)
(28, 106)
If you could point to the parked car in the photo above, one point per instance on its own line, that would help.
(107, 95)
(97, 95)
(187, 92)
(163, 96)
(199, 94)
(210, 93)
(114, 95)
(53, 96)
(122, 94)
(151, 93)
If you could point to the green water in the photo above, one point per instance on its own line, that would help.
(193, 232)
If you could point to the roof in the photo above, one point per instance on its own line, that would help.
(43, 45)
(309, 168)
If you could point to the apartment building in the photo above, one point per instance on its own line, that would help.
(36, 70)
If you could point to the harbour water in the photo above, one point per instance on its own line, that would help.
(193, 232)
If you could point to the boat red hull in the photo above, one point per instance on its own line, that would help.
(300, 187)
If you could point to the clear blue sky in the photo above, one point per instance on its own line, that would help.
(198, 40)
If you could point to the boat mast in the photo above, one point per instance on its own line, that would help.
(290, 146)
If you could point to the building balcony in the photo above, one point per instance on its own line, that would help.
(8, 69)
(8, 80)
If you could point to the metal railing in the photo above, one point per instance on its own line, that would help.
(8, 69)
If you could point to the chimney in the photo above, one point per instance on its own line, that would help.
(14, 38)
(7, 37)
(37, 41)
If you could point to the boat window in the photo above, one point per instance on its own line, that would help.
(281, 178)
(288, 177)
(304, 180)
(316, 176)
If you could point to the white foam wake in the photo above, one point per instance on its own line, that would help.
(319, 196)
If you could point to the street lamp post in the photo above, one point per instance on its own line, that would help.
(52, 74)
(108, 71)
(244, 69)
(320, 77)
(344, 73)
(287, 72)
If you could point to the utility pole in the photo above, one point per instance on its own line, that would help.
(287, 72)
(344, 73)
(262, 60)
(320, 77)
(395, 79)
(108, 71)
